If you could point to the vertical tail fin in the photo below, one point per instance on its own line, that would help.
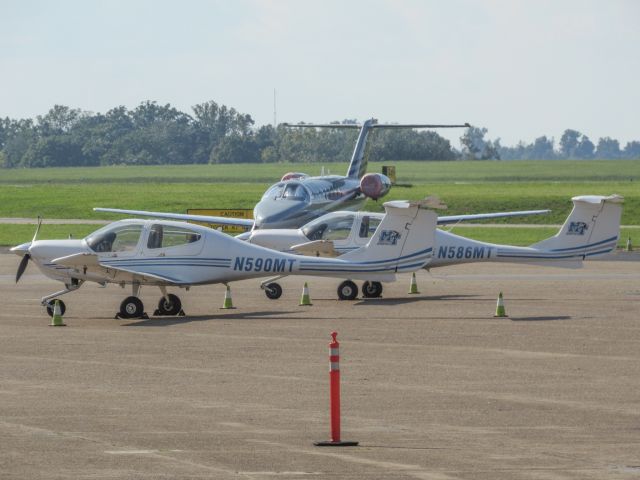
(358, 165)
(592, 228)
(404, 239)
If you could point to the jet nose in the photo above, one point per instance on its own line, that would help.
(279, 213)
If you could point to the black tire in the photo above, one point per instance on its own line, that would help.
(347, 290)
(273, 291)
(371, 289)
(131, 307)
(170, 308)
(52, 303)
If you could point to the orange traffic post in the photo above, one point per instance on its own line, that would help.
(334, 392)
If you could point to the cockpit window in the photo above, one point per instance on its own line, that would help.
(295, 191)
(122, 238)
(274, 192)
(165, 236)
(368, 226)
(329, 228)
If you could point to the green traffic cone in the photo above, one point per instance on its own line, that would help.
(305, 300)
(413, 288)
(56, 319)
(228, 303)
(500, 312)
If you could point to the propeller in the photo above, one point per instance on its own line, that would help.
(26, 257)
(23, 266)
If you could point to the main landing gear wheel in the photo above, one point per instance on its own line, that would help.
(273, 291)
(169, 308)
(371, 289)
(131, 307)
(51, 304)
(347, 290)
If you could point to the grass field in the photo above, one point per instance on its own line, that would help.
(413, 172)
(466, 187)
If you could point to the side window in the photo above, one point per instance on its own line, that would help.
(120, 239)
(364, 227)
(127, 238)
(165, 236)
(373, 225)
(338, 230)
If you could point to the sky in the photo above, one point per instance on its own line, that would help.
(520, 68)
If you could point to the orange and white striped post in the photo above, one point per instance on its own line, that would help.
(334, 393)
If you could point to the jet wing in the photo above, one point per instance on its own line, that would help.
(243, 222)
(89, 262)
(448, 219)
(316, 248)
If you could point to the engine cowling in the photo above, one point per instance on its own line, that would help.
(375, 185)
(293, 176)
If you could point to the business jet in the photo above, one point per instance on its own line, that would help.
(299, 198)
(592, 229)
(167, 253)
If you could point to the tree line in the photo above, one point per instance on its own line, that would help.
(153, 134)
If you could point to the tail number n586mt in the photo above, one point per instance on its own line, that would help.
(463, 252)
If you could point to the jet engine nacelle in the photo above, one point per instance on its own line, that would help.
(293, 176)
(375, 185)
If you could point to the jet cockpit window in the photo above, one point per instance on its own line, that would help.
(122, 238)
(295, 191)
(336, 227)
(274, 192)
(165, 236)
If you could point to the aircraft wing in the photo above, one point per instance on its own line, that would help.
(316, 248)
(89, 262)
(243, 222)
(448, 219)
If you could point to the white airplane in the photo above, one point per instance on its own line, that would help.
(591, 229)
(166, 253)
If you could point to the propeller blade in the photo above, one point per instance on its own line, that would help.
(22, 267)
(37, 228)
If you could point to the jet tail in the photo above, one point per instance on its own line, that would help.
(358, 164)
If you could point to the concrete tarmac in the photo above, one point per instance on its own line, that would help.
(433, 386)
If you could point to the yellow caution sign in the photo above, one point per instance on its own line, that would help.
(390, 172)
(228, 212)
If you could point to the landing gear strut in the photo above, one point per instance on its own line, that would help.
(49, 301)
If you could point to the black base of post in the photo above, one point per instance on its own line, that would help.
(329, 443)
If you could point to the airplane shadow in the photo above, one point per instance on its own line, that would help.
(169, 321)
(540, 319)
(401, 301)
